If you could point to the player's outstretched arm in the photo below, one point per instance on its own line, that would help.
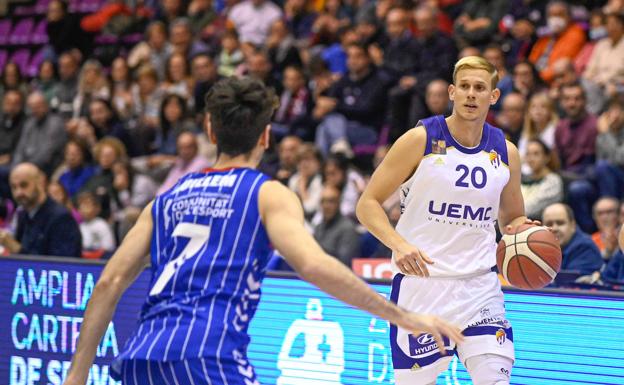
(511, 212)
(398, 165)
(128, 261)
(282, 216)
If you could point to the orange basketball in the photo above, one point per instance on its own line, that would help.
(530, 258)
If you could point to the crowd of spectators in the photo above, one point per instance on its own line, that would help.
(101, 129)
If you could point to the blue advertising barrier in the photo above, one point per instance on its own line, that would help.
(299, 335)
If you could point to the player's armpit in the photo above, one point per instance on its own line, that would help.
(511, 211)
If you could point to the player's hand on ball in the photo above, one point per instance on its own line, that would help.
(511, 229)
(411, 260)
(436, 326)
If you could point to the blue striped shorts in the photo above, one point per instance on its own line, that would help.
(194, 371)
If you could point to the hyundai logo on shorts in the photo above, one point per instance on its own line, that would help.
(425, 339)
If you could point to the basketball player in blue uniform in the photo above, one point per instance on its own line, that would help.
(210, 237)
(456, 177)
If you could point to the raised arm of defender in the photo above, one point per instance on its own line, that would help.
(398, 166)
(282, 216)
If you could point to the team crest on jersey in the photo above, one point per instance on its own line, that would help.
(438, 146)
(501, 336)
(495, 158)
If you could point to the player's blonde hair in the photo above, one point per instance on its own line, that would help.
(476, 63)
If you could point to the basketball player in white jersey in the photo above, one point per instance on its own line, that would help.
(239, 125)
(457, 176)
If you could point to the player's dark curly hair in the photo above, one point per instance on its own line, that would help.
(240, 109)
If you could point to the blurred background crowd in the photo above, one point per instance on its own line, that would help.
(102, 104)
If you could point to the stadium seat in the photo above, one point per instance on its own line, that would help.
(42, 6)
(24, 10)
(21, 57)
(21, 31)
(40, 34)
(3, 59)
(35, 62)
(5, 29)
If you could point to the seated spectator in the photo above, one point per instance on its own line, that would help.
(614, 270)
(606, 64)
(42, 126)
(564, 74)
(400, 49)
(46, 80)
(336, 233)
(57, 192)
(299, 19)
(307, 182)
(76, 169)
(105, 122)
(63, 100)
(231, 55)
(282, 48)
(353, 110)
(526, 79)
(12, 118)
(12, 79)
(201, 14)
(204, 72)
(64, 31)
(436, 55)
(92, 84)
(605, 214)
(258, 66)
(479, 20)
(495, 55)
(177, 78)
(334, 17)
(44, 227)
(541, 187)
(182, 41)
(287, 150)
(188, 160)
(253, 20)
(131, 192)
(146, 98)
(511, 117)
(580, 253)
(539, 123)
(97, 236)
(597, 31)
(610, 151)
(293, 116)
(575, 135)
(154, 51)
(337, 173)
(565, 41)
(107, 152)
(121, 88)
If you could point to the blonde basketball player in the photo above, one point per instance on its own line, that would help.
(457, 176)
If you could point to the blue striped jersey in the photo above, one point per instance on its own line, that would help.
(209, 254)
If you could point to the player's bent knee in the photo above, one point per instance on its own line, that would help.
(489, 369)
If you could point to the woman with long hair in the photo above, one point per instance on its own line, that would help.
(540, 122)
(92, 84)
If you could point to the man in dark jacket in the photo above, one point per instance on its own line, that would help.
(43, 227)
(336, 234)
(580, 253)
(353, 109)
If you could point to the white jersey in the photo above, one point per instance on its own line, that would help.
(450, 205)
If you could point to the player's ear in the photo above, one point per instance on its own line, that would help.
(451, 91)
(265, 139)
(208, 127)
(494, 96)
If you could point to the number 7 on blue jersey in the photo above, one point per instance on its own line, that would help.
(198, 235)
